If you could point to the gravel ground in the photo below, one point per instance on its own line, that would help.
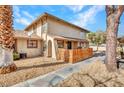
(30, 68)
(94, 75)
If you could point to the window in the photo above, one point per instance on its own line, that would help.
(60, 44)
(32, 43)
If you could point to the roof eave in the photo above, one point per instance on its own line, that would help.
(27, 38)
(34, 21)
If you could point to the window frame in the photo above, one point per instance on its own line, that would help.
(31, 41)
(62, 42)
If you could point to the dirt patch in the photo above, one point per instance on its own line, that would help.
(29, 68)
(94, 75)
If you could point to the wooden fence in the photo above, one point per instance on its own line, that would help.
(74, 55)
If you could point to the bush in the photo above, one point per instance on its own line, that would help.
(16, 56)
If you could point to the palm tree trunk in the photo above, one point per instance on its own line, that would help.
(6, 40)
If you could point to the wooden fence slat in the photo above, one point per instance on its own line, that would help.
(74, 55)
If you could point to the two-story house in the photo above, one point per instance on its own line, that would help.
(48, 33)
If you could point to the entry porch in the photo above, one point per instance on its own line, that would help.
(72, 49)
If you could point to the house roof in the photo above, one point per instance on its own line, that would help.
(69, 38)
(49, 15)
(24, 34)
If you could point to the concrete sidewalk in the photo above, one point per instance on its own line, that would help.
(53, 78)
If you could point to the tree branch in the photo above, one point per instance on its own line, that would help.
(110, 9)
(120, 9)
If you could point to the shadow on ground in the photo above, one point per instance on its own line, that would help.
(97, 54)
(42, 65)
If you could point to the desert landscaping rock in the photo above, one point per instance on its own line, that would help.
(113, 83)
(94, 75)
(28, 69)
(68, 83)
(54, 78)
(84, 79)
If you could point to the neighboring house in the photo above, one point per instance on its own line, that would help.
(47, 34)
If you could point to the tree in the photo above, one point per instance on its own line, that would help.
(97, 38)
(6, 40)
(113, 19)
(91, 37)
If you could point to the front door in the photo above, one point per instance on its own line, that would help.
(69, 45)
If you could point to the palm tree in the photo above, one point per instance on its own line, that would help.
(6, 40)
(113, 19)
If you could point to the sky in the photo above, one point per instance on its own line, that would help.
(91, 17)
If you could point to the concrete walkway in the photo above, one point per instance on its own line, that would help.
(53, 78)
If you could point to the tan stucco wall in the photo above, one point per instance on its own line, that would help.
(53, 46)
(31, 52)
(39, 28)
(54, 27)
(59, 28)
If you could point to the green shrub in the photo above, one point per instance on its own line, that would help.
(16, 56)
